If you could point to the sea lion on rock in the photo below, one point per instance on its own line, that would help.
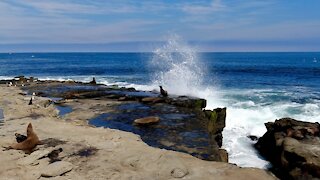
(163, 92)
(93, 81)
(30, 143)
(30, 102)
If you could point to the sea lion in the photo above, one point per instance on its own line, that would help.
(30, 102)
(20, 138)
(30, 143)
(163, 92)
(93, 81)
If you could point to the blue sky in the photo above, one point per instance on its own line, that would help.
(124, 25)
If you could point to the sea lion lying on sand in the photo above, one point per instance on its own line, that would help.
(30, 143)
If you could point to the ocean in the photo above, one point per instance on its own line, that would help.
(255, 87)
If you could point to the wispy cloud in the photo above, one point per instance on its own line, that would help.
(204, 8)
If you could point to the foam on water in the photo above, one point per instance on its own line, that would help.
(248, 117)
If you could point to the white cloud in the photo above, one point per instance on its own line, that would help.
(197, 9)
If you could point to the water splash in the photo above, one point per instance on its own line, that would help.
(178, 68)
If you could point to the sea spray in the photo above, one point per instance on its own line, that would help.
(177, 68)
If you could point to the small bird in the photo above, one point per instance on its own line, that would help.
(54, 155)
(163, 92)
(33, 95)
(30, 102)
(20, 138)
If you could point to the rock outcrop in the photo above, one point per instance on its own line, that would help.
(293, 147)
(147, 120)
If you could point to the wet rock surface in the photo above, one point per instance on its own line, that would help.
(183, 125)
(293, 147)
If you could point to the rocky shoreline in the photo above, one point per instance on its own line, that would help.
(293, 147)
(181, 122)
(103, 153)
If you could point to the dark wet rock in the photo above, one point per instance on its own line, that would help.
(52, 142)
(187, 102)
(224, 155)
(152, 100)
(86, 152)
(293, 147)
(34, 115)
(215, 125)
(252, 137)
(147, 120)
(131, 89)
(126, 98)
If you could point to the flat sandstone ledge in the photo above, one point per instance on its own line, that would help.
(116, 155)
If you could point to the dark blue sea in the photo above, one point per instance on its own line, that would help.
(255, 87)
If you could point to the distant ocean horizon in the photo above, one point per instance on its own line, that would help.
(256, 87)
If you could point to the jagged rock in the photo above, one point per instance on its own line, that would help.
(223, 155)
(187, 102)
(152, 100)
(56, 169)
(216, 123)
(293, 147)
(34, 156)
(147, 120)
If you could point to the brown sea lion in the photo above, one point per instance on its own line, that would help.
(30, 143)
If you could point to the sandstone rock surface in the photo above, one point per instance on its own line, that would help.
(147, 120)
(56, 169)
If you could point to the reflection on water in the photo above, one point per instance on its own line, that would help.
(1, 117)
(63, 110)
